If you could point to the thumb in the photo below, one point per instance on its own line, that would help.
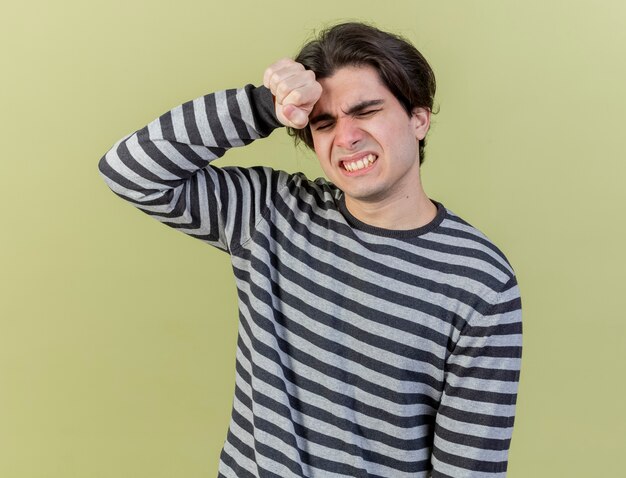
(297, 116)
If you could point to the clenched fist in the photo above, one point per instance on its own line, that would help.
(295, 91)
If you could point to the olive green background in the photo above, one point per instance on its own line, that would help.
(117, 334)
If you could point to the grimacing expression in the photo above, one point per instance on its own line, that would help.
(366, 142)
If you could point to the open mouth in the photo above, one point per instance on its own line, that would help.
(362, 163)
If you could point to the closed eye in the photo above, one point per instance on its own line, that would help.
(366, 113)
(323, 126)
(324, 123)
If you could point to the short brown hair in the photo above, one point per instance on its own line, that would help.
(401, 67)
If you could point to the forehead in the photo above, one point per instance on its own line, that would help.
(348, 86)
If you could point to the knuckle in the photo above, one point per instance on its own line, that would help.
(282, 63)
(295, 97)
(282, 89)
(274, 78)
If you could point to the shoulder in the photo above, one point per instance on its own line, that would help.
(475, 254)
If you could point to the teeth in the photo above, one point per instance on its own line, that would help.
(360, 164)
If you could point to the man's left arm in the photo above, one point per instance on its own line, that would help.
(474, 422)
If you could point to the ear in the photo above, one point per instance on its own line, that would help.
(420, 120)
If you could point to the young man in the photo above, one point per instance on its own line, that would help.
(379, 334)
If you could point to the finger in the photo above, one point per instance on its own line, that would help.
(277, 65)
(289, 76)
(300, 89)
(297, 117)
(295, 85)
(283, 81)
(304, 96)
(280, 68)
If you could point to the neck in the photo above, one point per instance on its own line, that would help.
(409, 211)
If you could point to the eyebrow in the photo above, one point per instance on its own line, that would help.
(357, 108)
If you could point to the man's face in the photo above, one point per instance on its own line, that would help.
(366, 143)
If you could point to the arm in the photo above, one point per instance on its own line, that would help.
(164, 168)
(474, 422)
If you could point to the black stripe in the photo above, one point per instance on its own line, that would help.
(512, 328)
(235, 116)
(509, 351)
(502, 375)
(475, 418)
(472, 440)
(481, 395)
(214, 121)
(131, 163)
(482, 466)
(191, 126)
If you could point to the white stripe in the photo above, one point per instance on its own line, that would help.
(178, 123)
(498, 363)
(471, 429)
(225, 119)
(202, 122)
(246, 113)
(492, 409)
(482, 385)
(456, 472)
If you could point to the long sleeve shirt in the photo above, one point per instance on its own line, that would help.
(361, 352)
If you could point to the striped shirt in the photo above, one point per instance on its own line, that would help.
(361, 352)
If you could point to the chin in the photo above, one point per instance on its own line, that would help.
(370, 196)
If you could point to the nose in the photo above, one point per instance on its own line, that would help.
(347, 133)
